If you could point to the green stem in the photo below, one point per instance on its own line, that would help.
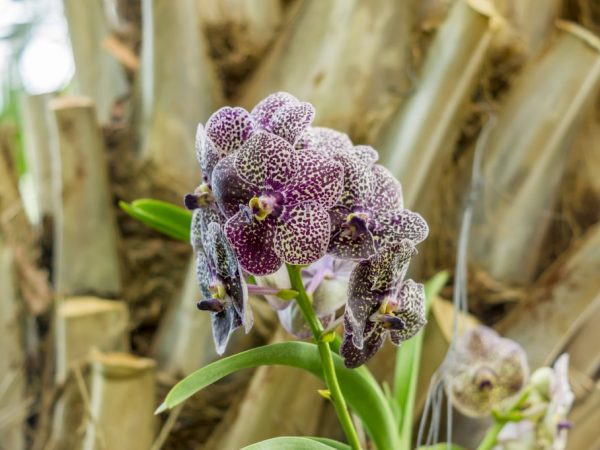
(490, 438)
(331, 380)
(489, 441)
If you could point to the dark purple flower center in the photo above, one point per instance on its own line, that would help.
(386, 315)
(268, 203)
(218, 297)
(564, 425)
(202, 196)
(485, 378)
(357, 223)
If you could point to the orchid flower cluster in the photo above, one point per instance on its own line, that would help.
(489, 375)
(278, 193)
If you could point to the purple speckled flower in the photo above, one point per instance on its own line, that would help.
(369, 214)
(283, 115)
(222, 286)
(276, 201)
(381, 302)
(226, 131)
(485, 370)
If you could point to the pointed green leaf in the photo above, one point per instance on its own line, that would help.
(296, 443)
(167, 218)
(360, 389)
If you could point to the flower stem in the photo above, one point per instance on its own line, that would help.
(331, 380)
(490, 438)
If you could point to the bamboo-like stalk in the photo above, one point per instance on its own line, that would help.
(562, 295)
(13, 404)
(98, 75)
(418, 141)
(527, 150)
(356, 48)
(85, 256)
(534, 20)
(273, 390)
(122, 403)
(253, 22)
(179, 88)
(585, 418)
(37, 135)
(184, 340)
(82, 324)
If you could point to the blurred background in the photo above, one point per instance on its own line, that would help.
(487, 111)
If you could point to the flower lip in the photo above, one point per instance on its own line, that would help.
(202, 196)
(268, 203)
(485, 378)
(212, 305)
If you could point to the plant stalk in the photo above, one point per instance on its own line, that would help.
(331, 380)
(490, 438)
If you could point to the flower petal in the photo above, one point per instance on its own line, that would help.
(364, 153)
(224, 324)
(203, 274)
(359, 182)
(318, 178)
(345, 245)
(387, 192)
(388, 267)
(355, 356)
(362, 303)
(289, 122)
(207, 153)
(229, 128)
(253, 243)
(201, 218)
(324, 139)
(397, 225)
(229, 189)
(219, 252)
(266, 160)
(412, 311)
(302, 233)
(263, 112)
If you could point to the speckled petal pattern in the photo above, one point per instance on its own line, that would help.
(229, 128)
(253, 243)
(400, 224)
(365, 153)
(207, 153)
(266, 160)
(411, 311)
(318, 178)
(302, 233)
(324, 139)
(229, 189)
(356, 356)
(201, 218)
(290, 121)
(387, 192)
(389, 266)
(263, 112)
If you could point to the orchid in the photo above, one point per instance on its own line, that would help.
(484, 371)
(381, 303)
(369, 214)
(222, 285)
(276, 201)
(545, 424)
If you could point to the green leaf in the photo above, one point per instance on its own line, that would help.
(441, 446)
(331, 443)
(296, 443)
(360, 389)
(408, 359)
(167, 218)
